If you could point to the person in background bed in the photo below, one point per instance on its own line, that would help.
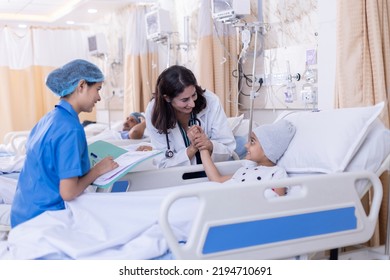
(266, 146)
(134, 126)
(178, 104)
(57, 167)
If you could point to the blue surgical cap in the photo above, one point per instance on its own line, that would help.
(137, 116)
(64, 80)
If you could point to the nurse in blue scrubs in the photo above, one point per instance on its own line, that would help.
(57, 167)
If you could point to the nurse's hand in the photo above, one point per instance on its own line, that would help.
(105, 165)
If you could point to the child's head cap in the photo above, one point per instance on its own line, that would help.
(274, 138)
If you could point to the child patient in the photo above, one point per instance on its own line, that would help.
(266, 146)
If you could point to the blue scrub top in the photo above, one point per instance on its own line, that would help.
(56, 149)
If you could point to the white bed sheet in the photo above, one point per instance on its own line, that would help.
(101, 226)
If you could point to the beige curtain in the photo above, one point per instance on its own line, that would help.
(141, 63)
(363, 67)
(217, 58)
(23, 99)
(27, 57)
(363, 54)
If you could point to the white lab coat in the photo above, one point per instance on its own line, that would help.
(214, 123)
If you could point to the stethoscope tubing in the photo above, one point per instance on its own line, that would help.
(193, 121)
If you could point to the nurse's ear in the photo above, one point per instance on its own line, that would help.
(81, 84)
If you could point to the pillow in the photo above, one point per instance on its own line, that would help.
(372, 152)
(243, 128)
(240, 146)
(326, 141)
(234, 122)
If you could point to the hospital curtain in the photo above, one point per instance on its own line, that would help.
(363, 66)
(141, 63)
(217, 58)
(26, 58)
(363, 54)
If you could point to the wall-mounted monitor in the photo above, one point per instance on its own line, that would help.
(97, 44)
(157, 24)
(228, 9)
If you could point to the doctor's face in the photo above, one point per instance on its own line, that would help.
(185, 101)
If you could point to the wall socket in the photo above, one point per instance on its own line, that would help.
(309, 94)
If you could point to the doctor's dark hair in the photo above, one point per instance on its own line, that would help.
(171, 82)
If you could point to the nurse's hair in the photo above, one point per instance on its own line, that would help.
(170, 83)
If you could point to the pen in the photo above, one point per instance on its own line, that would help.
(96, 157)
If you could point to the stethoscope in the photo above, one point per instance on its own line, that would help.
(193, 121)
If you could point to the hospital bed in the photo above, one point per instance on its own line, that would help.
(217, 221)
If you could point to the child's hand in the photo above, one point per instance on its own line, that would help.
(199, 139)
(192, 132)
(105, 165)
(202, 142)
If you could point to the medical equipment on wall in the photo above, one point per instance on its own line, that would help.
(229, 11)
(246, 30)
(309, 88)
(192, 121)
(97, 45)
(291, 92)
(158, 24)
(159, 29)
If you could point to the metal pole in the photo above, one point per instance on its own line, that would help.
(387, 244)
(253, 92)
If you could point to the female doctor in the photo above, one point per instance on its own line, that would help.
(174, 115)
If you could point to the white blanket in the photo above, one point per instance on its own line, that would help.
(7, 188)
(101, 226)
(11, 163)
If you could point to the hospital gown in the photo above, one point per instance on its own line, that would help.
(252, 173)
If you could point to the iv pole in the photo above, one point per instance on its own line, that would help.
(253, 93)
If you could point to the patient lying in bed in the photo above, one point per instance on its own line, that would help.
(267, 145)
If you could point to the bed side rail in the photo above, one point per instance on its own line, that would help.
(238, 222)
(175, 176)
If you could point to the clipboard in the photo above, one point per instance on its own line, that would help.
(127, 160)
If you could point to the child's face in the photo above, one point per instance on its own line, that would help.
(90, 96)
(255, 152)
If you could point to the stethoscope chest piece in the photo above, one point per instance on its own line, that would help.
(169, 153)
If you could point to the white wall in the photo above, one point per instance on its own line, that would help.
(326, 65)
(327, 53)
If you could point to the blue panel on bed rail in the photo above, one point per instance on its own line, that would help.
(246, 234)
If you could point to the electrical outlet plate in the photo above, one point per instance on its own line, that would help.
(309, 95)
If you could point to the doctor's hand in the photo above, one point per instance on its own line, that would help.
(105, 165)
(201, 141)
(193, 131)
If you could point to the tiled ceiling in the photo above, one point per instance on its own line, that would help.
(57, 12)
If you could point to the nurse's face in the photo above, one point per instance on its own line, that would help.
(90, 96)
(185, 101)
